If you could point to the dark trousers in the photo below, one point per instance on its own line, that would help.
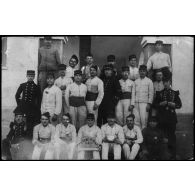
(169, 132)
(5, 150)
(31, 121)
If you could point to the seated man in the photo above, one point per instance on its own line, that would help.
(15, 136)
(65, 139)
(43, 139)
(153, 147)
(133, 138)
(112, 138)
(89, 139)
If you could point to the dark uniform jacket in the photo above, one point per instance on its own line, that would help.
(31, 98)
(167, 114)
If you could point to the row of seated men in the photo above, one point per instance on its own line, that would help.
(63, 143)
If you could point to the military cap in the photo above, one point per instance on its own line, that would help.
(89, 54)
(153, 118)
(50, 74)
(143, 67)
(18, 111)
(132, 56)
(30, 72)
(77, 72)
(108, 67)
(158, 42)
(125, 68)
(91, 116)
(94, 66)
(111, 115)
(62, 67)
(111, 58)
(46, 114)
(75, 57)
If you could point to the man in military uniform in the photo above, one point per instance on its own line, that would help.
(16, 133)
(112, 92)
(166, 102)
(30, 101)
(134, 71)
(49, 60)
(159, 60)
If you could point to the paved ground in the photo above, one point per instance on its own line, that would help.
(184, 133)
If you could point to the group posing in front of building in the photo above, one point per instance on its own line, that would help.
(90, 113)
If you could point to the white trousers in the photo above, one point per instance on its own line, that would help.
(90, 105)
(43, 152)
(81, 155)
(130, 154)
(78, 116)
(141, 116)
(108, 146)
(64, 150)
(122, 111)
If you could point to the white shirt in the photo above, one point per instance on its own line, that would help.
(96, 85)
(144, 90)
(133, 73)
(70, 71)
(52, 100)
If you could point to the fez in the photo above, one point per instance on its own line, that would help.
(62, 67)
(108, 67)
(153, 119)
(50, 74)
(18, 111)
(75, 57)
(143, 67)
(77, 72)
(111, 58)
(91, 116)
(125, 68)
(94, 66)
(89, 54)
(159, 42)
(111, 115)
(46, 114)
(132, 56)
(30, 72)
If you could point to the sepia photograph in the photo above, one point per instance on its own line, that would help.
(97, 97)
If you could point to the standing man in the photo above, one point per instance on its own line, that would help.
(30, 102)
(95, 92)
(73, 62)
(75, 100)
(49, 60)
(134, 71)
(52, 100)
(144, 92)
(86, 69)
(112, 92)
(112, 138)
(159, 60)
(127, 97)
(62, 82)
(43, 139)
(89, 139)
(133, 138)
(167, 101)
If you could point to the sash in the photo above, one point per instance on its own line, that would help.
(76, 101)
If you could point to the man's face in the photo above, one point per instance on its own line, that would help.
(130, 122)
(72, 62)
(108, 72)
(111, 121)
(125, 75)
(47, 43)
(158, 47)
(50, 80)
(133, 62)
(89, 60)
(30, 77)
(62, 73)
(167, 84)
(65, 120)
(44, 121)
(153, 124)
(78, 78)
(142, 73)
(93, 72)
(19, 118)
(159, 76)
(90, 122)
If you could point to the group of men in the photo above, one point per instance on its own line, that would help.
(108, 108)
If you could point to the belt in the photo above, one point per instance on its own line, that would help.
(76, 101)
(91, 96)
(44, 140)
(125, 95)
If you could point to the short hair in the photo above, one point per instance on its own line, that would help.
(132, 57)
(94, 67)
(50, 74)
(67, 115)
(89, 54)
(46, 114)
(131, 116)
(75, 57)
